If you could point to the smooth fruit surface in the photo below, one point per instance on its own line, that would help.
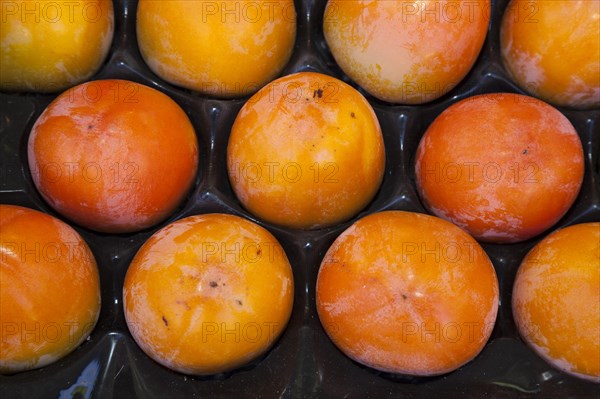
(407, 293)
(113, 155)
(556, 300)
(408, 52)
(49, 289)
(306, 151)
(551, 48)
(223, 49)
(504, 167)
(208, 294)
(48, 46)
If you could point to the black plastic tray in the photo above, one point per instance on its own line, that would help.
(304, 362)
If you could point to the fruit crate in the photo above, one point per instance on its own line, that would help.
(303, 362)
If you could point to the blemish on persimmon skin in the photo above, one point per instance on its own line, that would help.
(318, 93)
(164, 319)
(213, 284)
(239, 302)
(352, 115)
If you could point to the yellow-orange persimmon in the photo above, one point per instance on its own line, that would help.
(48, 46)
(208, 293)
(220, 48)
(306, 151)
(551, 48)
(556, 300)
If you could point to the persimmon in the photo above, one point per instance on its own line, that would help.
(505, 167)
(208, 293)
(547, 57)
(556, 300)
(49, 289)
(407, 293)
(49, 46)
(223, 49)
(408, 52)
(306, 152)
(112, 155)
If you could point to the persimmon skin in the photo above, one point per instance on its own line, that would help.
(306, 152)
(556, 300)
(407, 293)
(113, 156)
(48, 46)
(407, 52)
(505, 167)
(547, 57)
(222, 49)
(49, 289)
(208, 294)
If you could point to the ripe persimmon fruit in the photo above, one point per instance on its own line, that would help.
(219, 48)
(49, 46)
(113, 156)
(407, 293)
(408, 52)
(306, 152)
(505, 167)
(49, 289)
(547, 57)
(556, 300)
(208, 293)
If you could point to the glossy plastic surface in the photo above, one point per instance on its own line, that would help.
(304, 362)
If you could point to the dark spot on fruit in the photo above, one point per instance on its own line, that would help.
(238, 302)
(213, 284)
(352, 115)
(90, 127)
(318, 93)
(259, 251)
(404, 296)
(525, 151)
(164, 319)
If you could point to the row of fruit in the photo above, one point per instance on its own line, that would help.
(408, 52)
